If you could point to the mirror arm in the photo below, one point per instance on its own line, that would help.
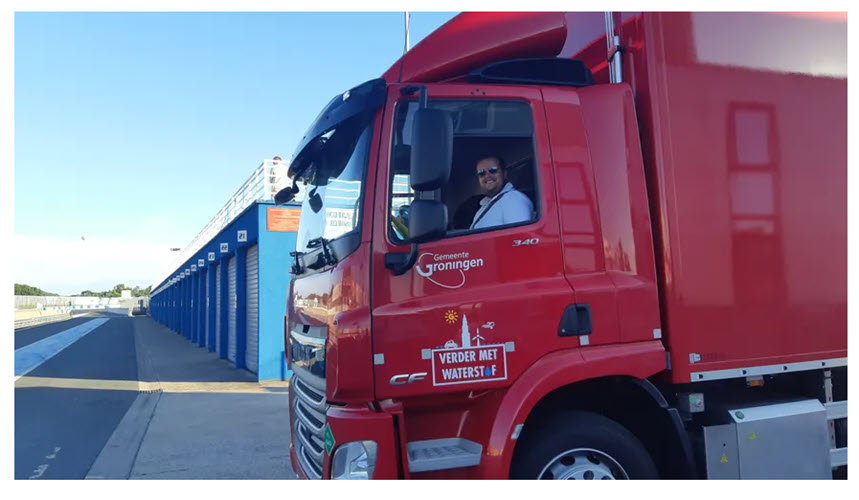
(400, 262)
(410, 89)
(424, 100)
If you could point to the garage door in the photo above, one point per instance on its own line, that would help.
(232, 303)
(193, 304)
(252, 301)
(208, 306)
(218, 310)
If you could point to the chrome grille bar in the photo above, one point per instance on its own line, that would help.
(312, 419)
(311, 468)
(313, 448)
(314, 399)
(309, 409)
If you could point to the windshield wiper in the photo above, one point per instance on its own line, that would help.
(326, 258)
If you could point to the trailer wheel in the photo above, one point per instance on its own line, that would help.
(581, 445)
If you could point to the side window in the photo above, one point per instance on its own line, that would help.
(493, 180)
(401, 197)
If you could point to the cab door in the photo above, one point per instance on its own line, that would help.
(478, 306)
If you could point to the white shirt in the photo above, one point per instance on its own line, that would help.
(512, 207)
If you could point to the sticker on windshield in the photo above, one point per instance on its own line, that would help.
(446, 270)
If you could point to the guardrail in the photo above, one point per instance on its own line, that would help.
(59, 308)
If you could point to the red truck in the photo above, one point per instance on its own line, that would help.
(675, 306)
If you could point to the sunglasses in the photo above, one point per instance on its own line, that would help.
(492, 170)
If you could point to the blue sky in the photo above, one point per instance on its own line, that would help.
(133, 129)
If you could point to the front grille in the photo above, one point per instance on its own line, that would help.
(308, 408)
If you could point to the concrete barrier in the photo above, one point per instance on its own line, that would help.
(36, 313)
(42, 320)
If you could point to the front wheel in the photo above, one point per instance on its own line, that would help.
(581, 445)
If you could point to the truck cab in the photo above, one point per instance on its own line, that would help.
(425, 344)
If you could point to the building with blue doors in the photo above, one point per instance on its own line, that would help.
(226, 292)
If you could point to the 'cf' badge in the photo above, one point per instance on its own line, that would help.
(407, 378)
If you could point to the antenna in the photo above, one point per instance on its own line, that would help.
(407, 15)
(615, 50)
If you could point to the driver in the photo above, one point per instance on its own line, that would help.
(502, 203)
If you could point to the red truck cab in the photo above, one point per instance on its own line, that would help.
(683, 263)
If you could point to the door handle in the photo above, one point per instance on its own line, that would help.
(576, 321)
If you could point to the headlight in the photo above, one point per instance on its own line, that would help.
(355, 460)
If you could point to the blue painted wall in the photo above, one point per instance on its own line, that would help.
(274, 277)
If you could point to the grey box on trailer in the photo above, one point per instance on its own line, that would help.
(780, 441)
(720, 448)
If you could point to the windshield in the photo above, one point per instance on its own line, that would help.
(333, 182)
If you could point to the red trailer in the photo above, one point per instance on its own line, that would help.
(672, 303)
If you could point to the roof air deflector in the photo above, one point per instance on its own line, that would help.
(535, 71)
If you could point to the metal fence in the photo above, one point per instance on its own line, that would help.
(22, 301)
(38, 301)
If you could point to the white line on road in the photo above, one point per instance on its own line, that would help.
(29, 357)
(40, 470)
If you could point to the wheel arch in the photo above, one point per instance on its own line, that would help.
(634, 403)
(562, 375)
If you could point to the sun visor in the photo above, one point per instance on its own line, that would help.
(363, 99)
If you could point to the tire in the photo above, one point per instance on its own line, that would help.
(580, 445)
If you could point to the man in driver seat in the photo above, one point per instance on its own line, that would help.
(502, 203)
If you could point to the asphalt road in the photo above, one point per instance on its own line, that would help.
(60, 432)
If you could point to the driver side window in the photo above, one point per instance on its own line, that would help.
(401, 199)
(493, 180)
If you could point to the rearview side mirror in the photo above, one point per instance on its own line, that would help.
(315, 201)
(427, 220)
(432, 149)
(285, 195)
(430, 161)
